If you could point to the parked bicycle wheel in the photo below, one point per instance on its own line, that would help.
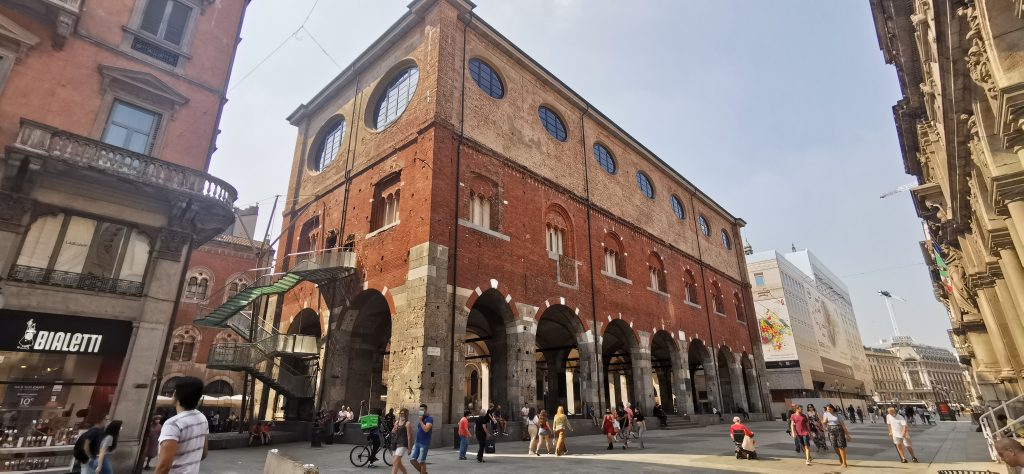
(387, 455)
(360, 455)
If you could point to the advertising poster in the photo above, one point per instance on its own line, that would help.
(829, 328)
(35, 395)
(776, 332)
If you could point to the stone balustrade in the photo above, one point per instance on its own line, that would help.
(43, 140)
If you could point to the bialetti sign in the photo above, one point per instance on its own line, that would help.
(54, 333)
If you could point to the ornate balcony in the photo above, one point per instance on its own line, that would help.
(80, 281)
(212, 197)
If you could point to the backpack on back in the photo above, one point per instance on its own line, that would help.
(94, 435)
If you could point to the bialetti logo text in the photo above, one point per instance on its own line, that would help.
(39, 340)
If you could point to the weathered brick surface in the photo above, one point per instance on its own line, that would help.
(528, 176)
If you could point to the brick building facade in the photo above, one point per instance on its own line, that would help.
(108, 114)
(509, 238)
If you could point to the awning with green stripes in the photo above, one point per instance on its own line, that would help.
(236, 303)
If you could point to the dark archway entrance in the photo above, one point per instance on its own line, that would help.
(487, 348)
(664, 360)
(363, 339)
(617, 345)
(725, 380)
(307, 323)
(559, 368)
(700, 364)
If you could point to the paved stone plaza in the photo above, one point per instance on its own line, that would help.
(949, 445)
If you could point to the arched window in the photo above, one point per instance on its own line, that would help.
(197, 287)
(218, 388)
(183, 344)
(330, 144)
(690, 285)
(480, 209)
(555, 239)
(717, 299)
(737, 303)
(482, 202)
(644, 182)
(656, 269)
(485, 77)
(396, 96)
(614, 256)
(552, 123)
(704, 227)
(677, 207)
(558, 231)
(726, 241)
(386, 201)
(236, 285)
(604, 158)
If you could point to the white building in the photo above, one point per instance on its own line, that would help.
(809, 334)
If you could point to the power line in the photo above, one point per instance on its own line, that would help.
(883, 269)
(321, 47)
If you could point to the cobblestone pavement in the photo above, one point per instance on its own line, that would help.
(948, 445)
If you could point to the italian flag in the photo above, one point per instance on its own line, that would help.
(947, 284)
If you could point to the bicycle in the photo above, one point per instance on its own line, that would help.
(360, 454)
(635, 432)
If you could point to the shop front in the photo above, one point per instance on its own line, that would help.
(58, 376)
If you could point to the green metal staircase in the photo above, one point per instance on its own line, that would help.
(259, 355)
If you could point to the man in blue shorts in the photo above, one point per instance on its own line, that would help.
(800, 426)
(418, 459)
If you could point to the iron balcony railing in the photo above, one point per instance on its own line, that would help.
(44, 140)
(80, 281)
(323, 259)
(1003, 421)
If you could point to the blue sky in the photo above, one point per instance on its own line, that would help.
(781, 111)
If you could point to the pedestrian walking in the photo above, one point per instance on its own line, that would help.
(152, 444)
(482, 433)
(899, 432)
(801, 432)
(872, 414)
(714, 410)
(401, 439)
(909, 414)
(389, 421)
(424, 431)
(524, 415)
(923, 415)
(860, 415)
(837, 432)
(818, 434)
(183, 438)
(560, 425)
(544, 432)
(532, 428)
(464, 435)
(608, 426)
(852, 414)
(659, 413)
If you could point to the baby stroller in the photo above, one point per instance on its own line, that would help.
(745, 446)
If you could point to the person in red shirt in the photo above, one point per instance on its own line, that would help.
(463, 435)
(800, 427)
(738, 431)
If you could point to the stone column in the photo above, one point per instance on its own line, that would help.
(643, 388)
(1013, 273)
(999, 341)
(1015, 224)
(681, 383)
(1002, 308)
(522, 365)
(711, 382)
(739, 392)
(590, 365)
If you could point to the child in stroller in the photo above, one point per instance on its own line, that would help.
(738, 432)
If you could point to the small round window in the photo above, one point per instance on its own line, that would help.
(552, 123)
(330, 143)
(704, 227)
(604, 158)
(486, 78)
(395, 97)
(645, 184)
(677, 207)
(726, 240)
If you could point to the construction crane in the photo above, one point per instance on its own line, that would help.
(888, 305)
(900, 189)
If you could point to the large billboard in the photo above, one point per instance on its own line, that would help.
(776, 332)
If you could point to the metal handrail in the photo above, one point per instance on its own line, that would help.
(1013, 409)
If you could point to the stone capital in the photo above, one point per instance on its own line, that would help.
(171, 242)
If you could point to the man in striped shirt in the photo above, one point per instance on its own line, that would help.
(183, 436)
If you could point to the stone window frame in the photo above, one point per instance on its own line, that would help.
(133, 29)
(717, 298)
(15, 41)
(387, 196)
(482, 203)
(556, 219)
(187, 336)
(199, 273)
(657, 272)
(391, 79)
(241, 280)
(142, 90)
(737, 303)
(690, 288)
(615, 250)
(327, 130)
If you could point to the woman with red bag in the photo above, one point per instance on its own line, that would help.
(743, 439)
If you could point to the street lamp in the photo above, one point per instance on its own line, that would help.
(838, 388)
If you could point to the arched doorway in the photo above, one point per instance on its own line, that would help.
(307, 323)
(664, 364)
(750, 385)
(487, 348)
(218, 388)
(725, 380)
(563, 361)
(699, 366)
(617, 344)
(358, 375)
(168, 388)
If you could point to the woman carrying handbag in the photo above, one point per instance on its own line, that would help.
(743, 440)
(609, 426)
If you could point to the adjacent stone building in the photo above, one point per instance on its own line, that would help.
(108, 113)
(960, 130)
(887, 375)
(808, 330)
(904, 371)
(463, 223)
